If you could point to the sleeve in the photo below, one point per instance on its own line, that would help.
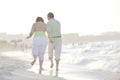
(49, 30)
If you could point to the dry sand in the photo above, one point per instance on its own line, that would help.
(14, 66)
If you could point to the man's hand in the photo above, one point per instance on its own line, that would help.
(50, 40)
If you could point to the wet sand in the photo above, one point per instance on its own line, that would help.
(15, 65)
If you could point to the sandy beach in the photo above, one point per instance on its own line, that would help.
(15, 65)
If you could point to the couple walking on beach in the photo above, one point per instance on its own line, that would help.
(39, 44)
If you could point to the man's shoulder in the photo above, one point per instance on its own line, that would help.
(56, 21)
(52, 21)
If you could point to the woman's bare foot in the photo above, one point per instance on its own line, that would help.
(56, 75)
(40, 71)
(51, 66)
(33, 62)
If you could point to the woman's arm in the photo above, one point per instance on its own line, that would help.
(31, 32)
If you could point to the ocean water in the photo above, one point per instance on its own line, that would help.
(101, 55)
(81, 61)
(86, 61)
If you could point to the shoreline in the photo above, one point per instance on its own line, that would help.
(15, 65)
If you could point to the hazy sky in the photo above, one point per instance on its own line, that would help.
(76, 16)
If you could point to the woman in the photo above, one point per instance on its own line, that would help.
(39, 41)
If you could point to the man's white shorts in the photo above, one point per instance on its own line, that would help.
(55, 48)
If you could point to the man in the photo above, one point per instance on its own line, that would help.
(54, 36)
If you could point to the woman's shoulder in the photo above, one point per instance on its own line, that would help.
(41, 23)
(44, 24)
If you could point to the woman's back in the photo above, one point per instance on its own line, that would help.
(39, 28)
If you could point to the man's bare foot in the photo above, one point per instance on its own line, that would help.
(57, 69)
(51, 72)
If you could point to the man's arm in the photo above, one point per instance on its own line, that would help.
(49, 32)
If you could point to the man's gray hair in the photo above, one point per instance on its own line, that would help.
(50, 15)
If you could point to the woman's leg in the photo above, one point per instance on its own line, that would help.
(34, 60)
(40, 64)
(35, 50)
(42, 49)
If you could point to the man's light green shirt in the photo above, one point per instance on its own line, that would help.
(53, 28)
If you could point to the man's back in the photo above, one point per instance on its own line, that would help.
(54, 28)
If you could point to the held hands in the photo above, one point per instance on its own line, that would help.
(28, 37)
(50, 40)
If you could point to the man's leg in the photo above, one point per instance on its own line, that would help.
(57, 59)
(57, 67)
(58, 48)
(51, 60)
(57, 55)
(50, 53)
